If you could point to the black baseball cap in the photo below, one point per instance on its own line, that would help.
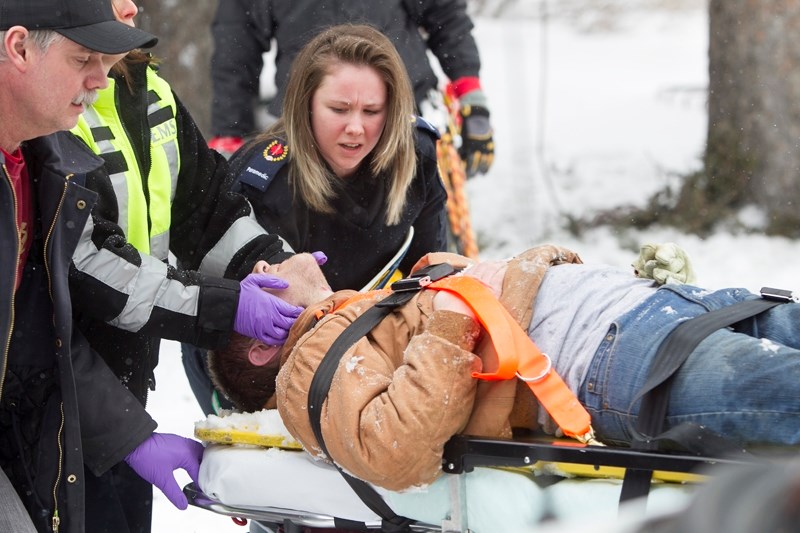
(90, 23)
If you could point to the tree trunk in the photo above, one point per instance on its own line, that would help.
(753, 148)
(184, 48)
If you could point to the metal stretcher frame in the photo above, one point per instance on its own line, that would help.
(462, 454)
(291, 519)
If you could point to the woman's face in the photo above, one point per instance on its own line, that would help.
(348, 113)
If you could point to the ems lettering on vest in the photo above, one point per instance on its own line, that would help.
(164, 131)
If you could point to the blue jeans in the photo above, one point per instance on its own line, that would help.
(742, 384)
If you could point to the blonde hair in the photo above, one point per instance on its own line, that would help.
(122, 68)
(394, 154)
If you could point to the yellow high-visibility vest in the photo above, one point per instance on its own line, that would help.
(144, 202)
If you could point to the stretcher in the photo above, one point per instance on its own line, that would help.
(489, 484)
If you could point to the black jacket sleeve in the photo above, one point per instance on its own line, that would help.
(241, 31)
(212, 234)
(112, 420)
(206, 213)
(449, 30)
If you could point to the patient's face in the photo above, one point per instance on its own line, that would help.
(307, 283)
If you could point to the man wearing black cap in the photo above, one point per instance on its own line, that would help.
(60, 406)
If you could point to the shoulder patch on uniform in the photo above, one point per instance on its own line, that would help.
(426, 125)
(264, 165)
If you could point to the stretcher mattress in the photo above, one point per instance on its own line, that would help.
(252, 477)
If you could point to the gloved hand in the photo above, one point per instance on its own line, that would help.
(262, 315)
(320, 257)
(664, 263)
(226, 145)
(159, 456)
(477, 142)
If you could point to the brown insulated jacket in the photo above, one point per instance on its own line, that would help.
(402, 390)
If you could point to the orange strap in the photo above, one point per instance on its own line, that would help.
(518, 356)
(369, 295)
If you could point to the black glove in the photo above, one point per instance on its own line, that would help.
(477, 143)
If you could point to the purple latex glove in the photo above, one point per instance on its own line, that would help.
(320, 257)
(161, 454)
(261, 315)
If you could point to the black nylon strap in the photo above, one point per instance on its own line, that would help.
(671, 354)
(674, 351)
(344, 523)
(390, 522)
(321, 384)
(405, 289)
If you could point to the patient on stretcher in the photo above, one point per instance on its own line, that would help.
(402, 390)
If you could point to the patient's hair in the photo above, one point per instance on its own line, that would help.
(246, 385)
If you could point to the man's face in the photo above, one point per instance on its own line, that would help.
(307, 283)
(58, 83)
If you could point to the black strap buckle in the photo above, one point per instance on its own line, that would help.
(777, 295)
(424, 277)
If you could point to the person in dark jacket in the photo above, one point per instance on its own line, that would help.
(60, 406)
(348, 169)
(351, 176)
(161, 189)
(244, 29)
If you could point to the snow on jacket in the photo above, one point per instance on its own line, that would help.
(244, 29)
(102, 421)
(213, 234)
(401, 391)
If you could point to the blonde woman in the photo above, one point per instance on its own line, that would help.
(348, 168)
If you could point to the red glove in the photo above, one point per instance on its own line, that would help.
(226, 145)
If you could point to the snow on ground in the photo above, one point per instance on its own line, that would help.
(584, 120)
